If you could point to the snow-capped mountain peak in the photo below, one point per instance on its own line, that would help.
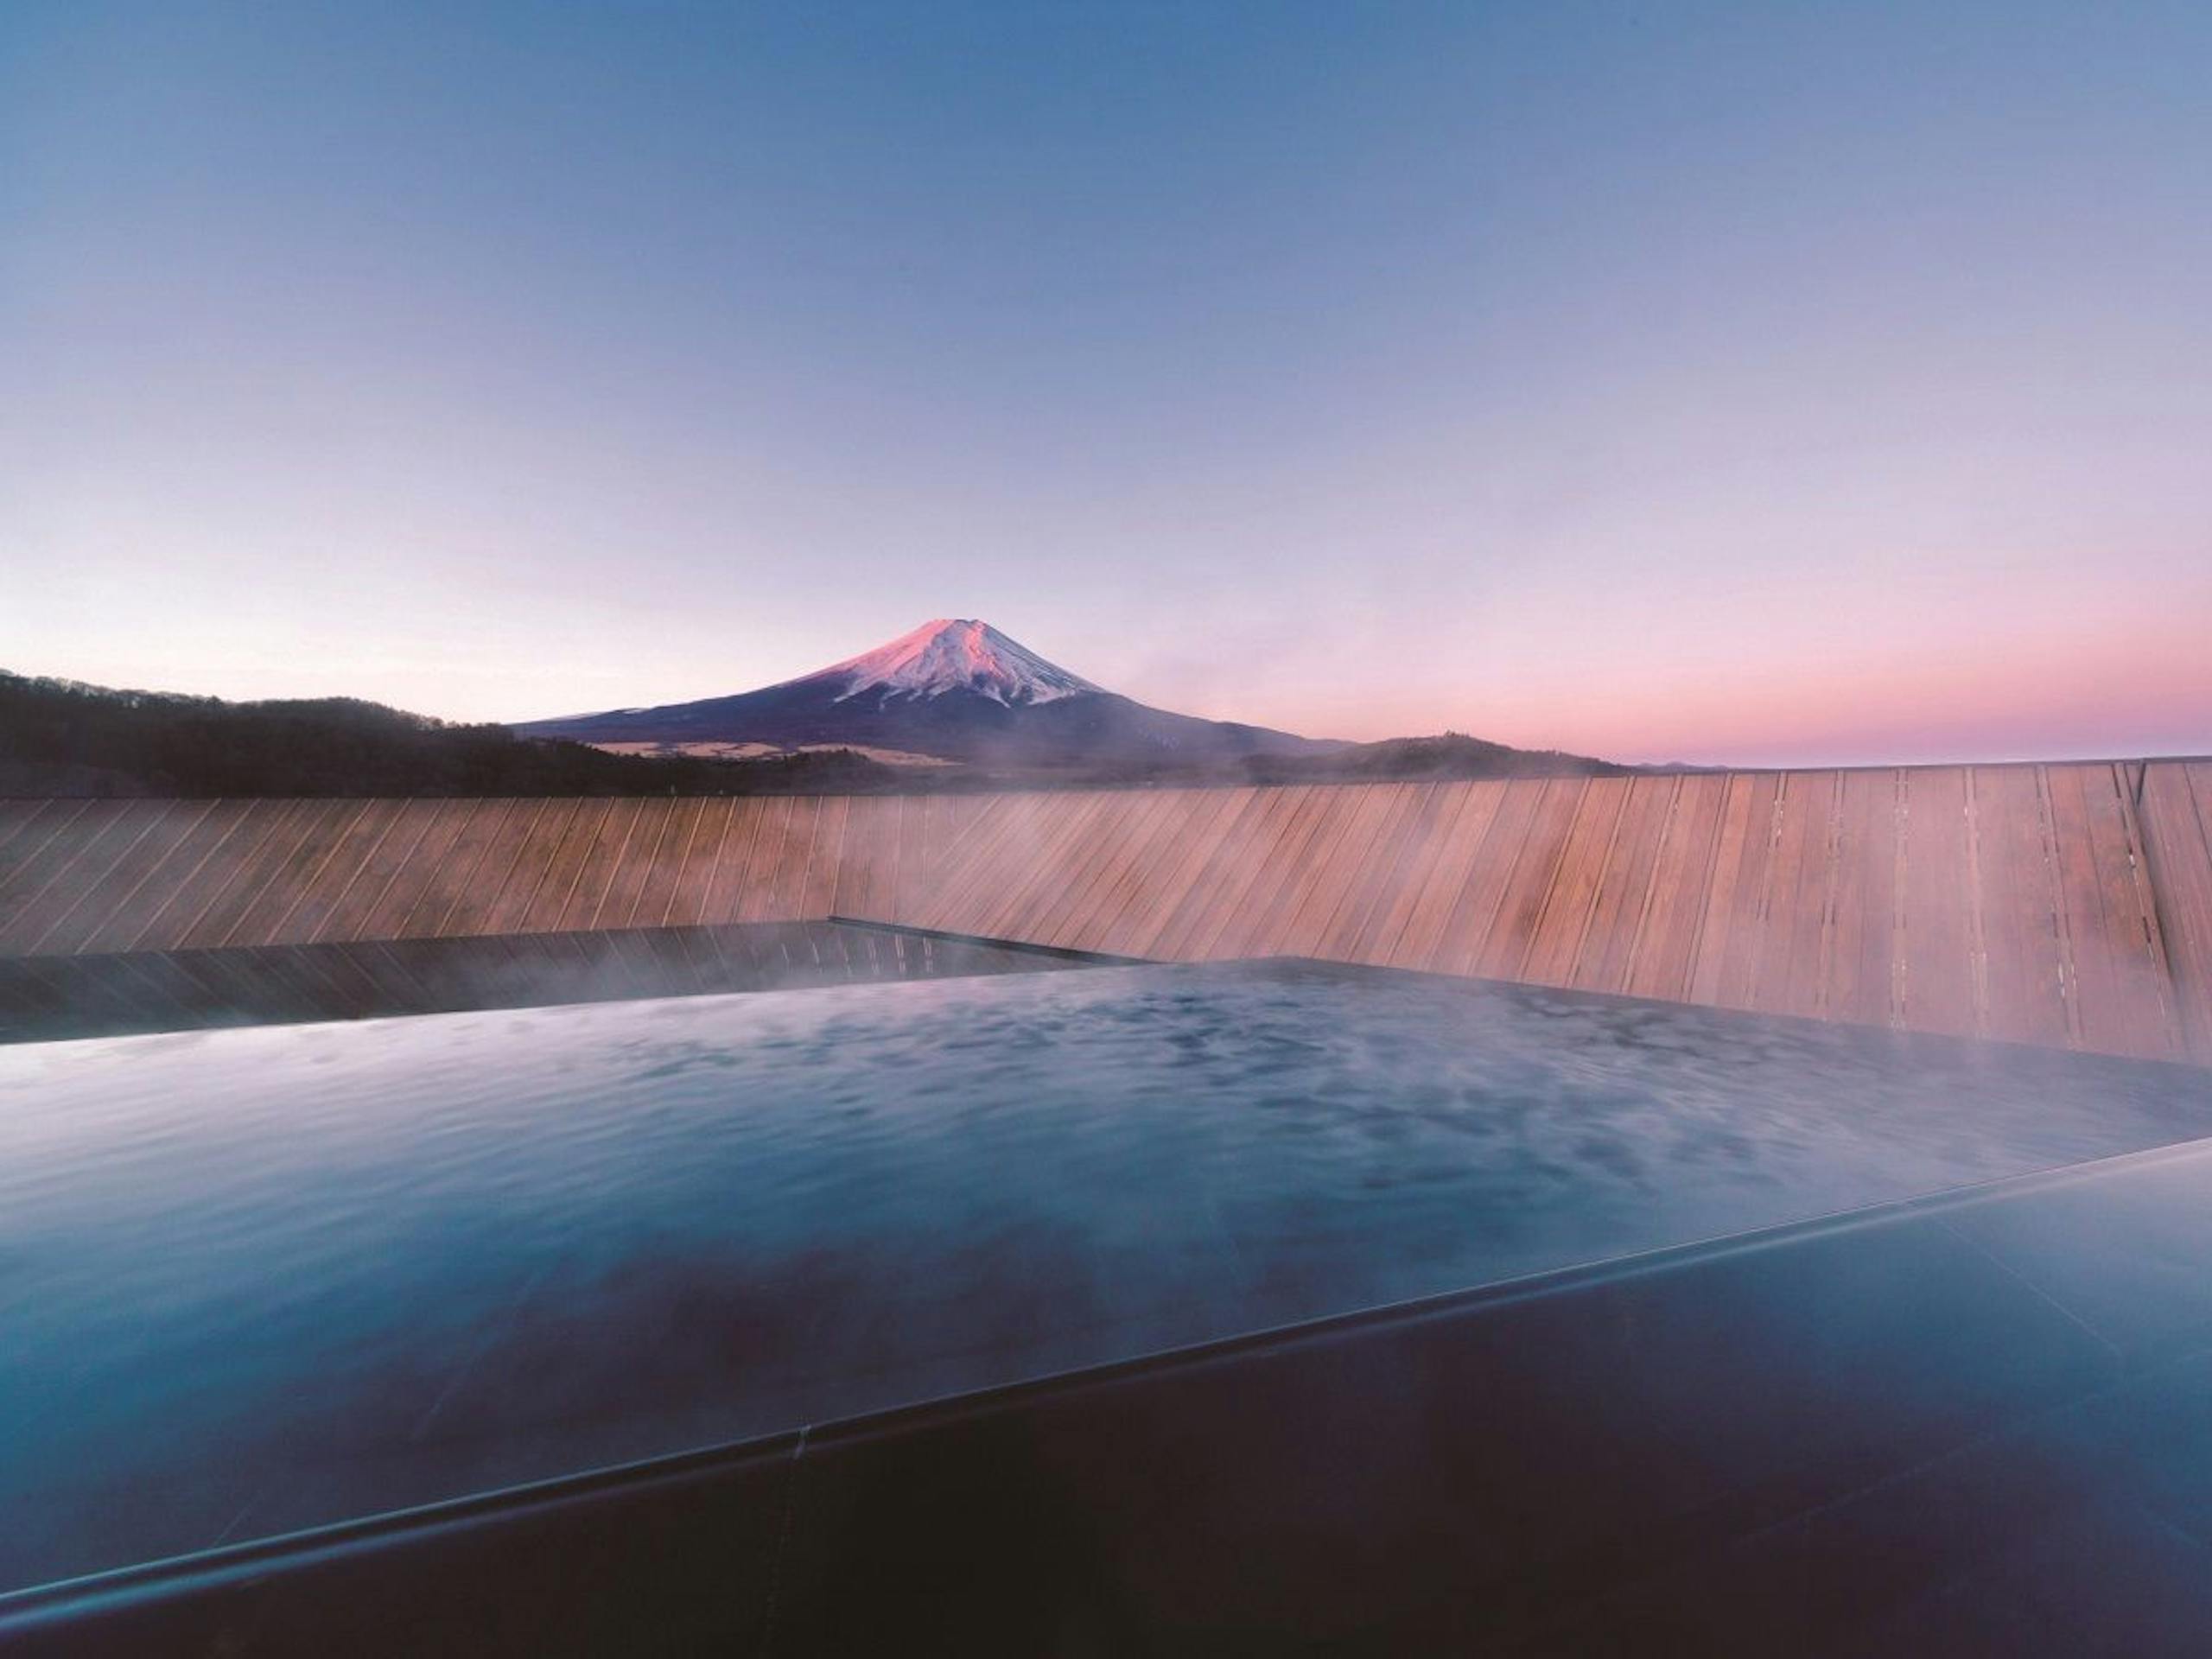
(954, 690)
(955, 654)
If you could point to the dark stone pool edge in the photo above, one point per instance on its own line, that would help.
(47, 999)
(1592, 1452)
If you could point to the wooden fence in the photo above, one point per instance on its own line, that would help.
(2070, 906)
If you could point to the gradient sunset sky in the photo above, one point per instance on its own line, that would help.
(1731, 383)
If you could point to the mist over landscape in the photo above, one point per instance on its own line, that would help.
(1052, 831)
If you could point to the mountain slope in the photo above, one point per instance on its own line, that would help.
(62, 738)
(953, 688)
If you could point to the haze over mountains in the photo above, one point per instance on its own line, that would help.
(954, 704)
(954, 690)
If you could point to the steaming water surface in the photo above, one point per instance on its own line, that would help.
(256, 1279)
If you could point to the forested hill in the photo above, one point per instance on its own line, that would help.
(58, 737)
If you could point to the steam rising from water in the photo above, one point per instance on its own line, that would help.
(256, 1279)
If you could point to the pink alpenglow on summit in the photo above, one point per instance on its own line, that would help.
(955, 654)
(952, 690)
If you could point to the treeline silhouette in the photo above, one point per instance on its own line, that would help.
(58, 737)
(1450, 757)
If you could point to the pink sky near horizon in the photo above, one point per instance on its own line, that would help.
(2062, 690)
(1727, 384)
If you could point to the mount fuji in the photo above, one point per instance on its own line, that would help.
(954, 690)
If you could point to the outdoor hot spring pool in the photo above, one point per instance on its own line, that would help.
(257, 1280)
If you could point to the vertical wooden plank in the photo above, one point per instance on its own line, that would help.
(484, 836)
(1236, 856)
(1752, 903)
(26, 822)
(1863, 948)
(1368, 922)
(726, 880)
(400, 844)
(1030, 874)
(1157, 830)
(1186, 859)
(940, 835)
(2194, 991)
(871, 827)
(982, 827)
(1716, 926)
(899, 856)
(1249, 917)
(1105, 873)
(88, 895)
(329, 853)
(1052, 888)
(910, 874)
(1473, 884)
(824, 854)
(2086, 953)
(68, 869)
(175, 882)
(790, 878)
(390, 912)
(633, 867)
(1107, 890)
(770, 852)
(330, 880)
(220, 874)
(211, 901)
(2141, 1012)
(1417, 915)
(1562, 922)
(910, 859)
(1044, 889)
(1664, 958)
(1035, 874)
(1345, 834)
(2019, 899)
(1939, 978)
(1187, 836)
(657, 893)
(860, 881)
(314, 835)
(603, 864)
(2056, 833)
(1728, 937)
(1505, 950)
(1378, 872)
(584, 865)
(1119, 837)
(151, 872)
(687, 905)
(1163, 886)
(919, 870)
(978, 844)
(1624, 885)
(564, 864)
(1791, 956)
(511, 875)
(2178, 848)
(43, 845)
(1440, 920)
(474, 910)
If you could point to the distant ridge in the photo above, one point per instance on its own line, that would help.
(62, 738)
(953, 704)
(955, 689)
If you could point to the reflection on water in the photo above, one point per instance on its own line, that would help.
(256, 1280)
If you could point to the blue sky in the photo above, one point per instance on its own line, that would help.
(1727, 381)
